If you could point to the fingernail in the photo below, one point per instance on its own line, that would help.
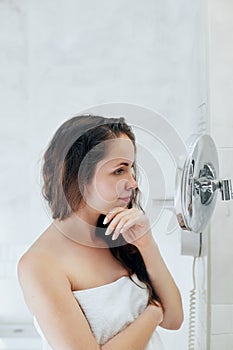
(113, 236)
(105, 220)
(107, 232)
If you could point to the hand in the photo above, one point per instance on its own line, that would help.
(132, 223)
(157, 310)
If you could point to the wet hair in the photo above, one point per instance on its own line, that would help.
(73, 153)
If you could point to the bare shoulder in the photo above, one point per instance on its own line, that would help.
(40, 268)
(43, 253)
(37, 256)
(37, 260)
(48, 294)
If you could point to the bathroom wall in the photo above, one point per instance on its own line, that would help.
(221, 122)
(58, 58)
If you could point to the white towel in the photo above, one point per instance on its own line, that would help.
(112, 307)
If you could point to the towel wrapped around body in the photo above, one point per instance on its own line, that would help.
(112, 307)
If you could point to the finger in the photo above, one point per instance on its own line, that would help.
(115, 212)
(119, 228)
(111, 214)
(117, 222)
(127, 223)
(132, 221)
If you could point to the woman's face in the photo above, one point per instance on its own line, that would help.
(113, 182)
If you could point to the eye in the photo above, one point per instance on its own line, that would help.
(118, 171)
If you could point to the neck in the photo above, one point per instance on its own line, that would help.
(80, 228)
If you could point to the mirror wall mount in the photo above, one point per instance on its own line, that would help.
(197, 184)
(206, 187)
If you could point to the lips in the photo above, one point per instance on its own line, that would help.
(125, 199)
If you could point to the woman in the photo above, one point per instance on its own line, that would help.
(95, 278)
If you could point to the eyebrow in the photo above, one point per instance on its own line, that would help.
(126, 164)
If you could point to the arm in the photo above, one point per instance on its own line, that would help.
(134, 225)
(137, 335)
(163, 283)
(49, 297)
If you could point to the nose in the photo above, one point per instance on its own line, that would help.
(131, 183)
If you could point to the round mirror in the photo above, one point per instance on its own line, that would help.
(195, 192)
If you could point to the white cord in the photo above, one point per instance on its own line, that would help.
(192, 311)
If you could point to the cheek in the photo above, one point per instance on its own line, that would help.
(106, 190)
(106, 187)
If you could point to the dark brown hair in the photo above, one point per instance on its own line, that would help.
(63, 163)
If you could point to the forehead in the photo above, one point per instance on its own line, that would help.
(118, 149)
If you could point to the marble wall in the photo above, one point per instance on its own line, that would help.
(220, 30)
(58, 58)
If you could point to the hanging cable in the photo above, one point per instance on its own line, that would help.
(192, 311)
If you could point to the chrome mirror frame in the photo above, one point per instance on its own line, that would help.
(196, 185)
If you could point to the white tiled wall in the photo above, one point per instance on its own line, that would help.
(58, 58)
(221, 112)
